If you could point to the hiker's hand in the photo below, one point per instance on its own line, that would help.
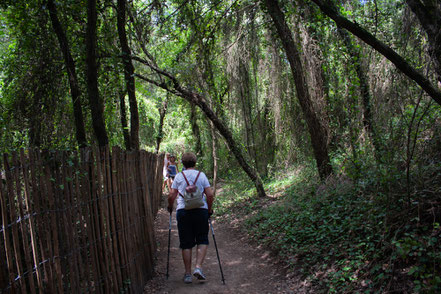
(170, 209)
(210, 213)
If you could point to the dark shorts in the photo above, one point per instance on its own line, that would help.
(192, 227)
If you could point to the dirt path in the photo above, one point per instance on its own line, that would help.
(246, 269)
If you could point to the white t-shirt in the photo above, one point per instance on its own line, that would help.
(164, 169)
(179, 184)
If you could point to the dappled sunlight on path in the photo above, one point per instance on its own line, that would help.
(246, 269)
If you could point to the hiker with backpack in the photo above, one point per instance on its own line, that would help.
(194, 198)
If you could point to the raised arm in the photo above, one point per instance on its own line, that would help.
(210, 198)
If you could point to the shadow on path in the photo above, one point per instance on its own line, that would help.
(246, 269)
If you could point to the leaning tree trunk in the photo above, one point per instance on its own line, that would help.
(234, 147)
(72, 75)
(128, 75)
(328, 8)
(96, 105)
(200, 101)
(317, 131)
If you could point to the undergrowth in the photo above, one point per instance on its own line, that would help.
(344, 236)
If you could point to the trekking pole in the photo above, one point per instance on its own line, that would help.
(217, 251)
(168, 250)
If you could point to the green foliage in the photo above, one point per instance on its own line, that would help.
(342, 235)
(373, 225)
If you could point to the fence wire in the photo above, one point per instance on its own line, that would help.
(106, 210)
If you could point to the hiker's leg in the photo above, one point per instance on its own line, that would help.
(201, 252)
(186, 256)
(201, 237)
(169, 183)
(186, 239)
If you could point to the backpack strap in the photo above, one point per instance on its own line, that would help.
(194, 183)
(188, 184)
(197, 177)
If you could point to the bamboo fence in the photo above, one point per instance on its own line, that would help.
(78, 222)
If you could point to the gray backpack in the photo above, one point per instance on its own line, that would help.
(193, 197)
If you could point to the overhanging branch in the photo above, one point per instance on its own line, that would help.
(200, 101)
(330, 10)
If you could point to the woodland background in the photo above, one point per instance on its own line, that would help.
(339, 123)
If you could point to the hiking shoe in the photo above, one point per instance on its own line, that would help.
(187, 279)
(199, 274)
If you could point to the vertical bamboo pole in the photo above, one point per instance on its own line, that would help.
(96, 196)
(145, 206)
(23, 225)
(134, 198)
(118, 174)
(72, 180)
(80, 219)
(40, 219)
(4, 199)
(58, 210)
(30, 211)
(45, 225)
(57, 278)
(13, 216)
(70, 228)
(86, 166)
(4, 279)
(112, 226)
(129, 244)
(104, 225)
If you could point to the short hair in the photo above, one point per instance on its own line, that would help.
(189, 160)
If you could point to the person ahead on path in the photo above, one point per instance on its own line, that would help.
(192, 223)
(172, 170)
(164, 170)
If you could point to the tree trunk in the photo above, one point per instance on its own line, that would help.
(196, 131)
(245, 96)
(214, 154)
(162, 113)
(72, 75)
(274, 90)
(368, 120)
(330, 10)
(429, 14)
(123, 114)
(317, 131)
(234, 147)
(128, 75)
(96, 105)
